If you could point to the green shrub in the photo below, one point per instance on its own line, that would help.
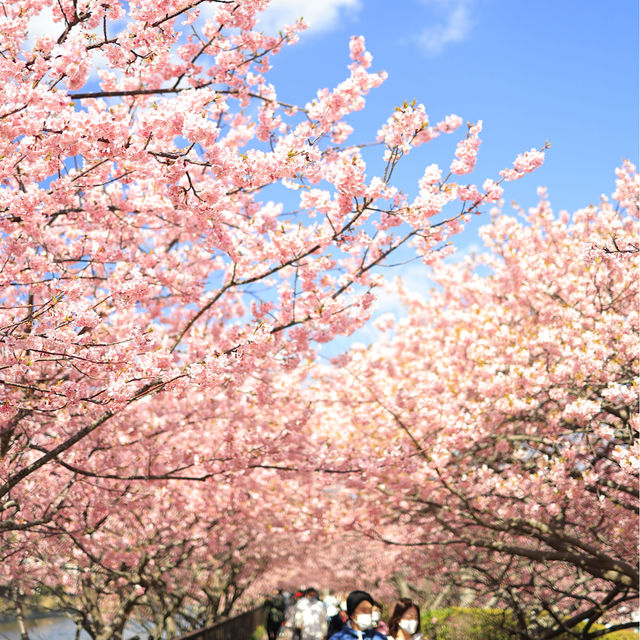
(457, 623)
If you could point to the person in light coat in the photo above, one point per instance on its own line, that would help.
(310, 616)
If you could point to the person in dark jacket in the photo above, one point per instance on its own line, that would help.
(274, 614)
(359, 625)
(336, 622)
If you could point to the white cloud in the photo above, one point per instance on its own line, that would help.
(43, 25)
(414, 278)
(455, 27)
(321, 15)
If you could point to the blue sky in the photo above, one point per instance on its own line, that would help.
(565, 71)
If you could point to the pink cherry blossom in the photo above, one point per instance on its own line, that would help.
(498, 416)
(162, 305)
(524, 163)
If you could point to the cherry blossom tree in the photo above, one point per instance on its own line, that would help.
(172, 557)
(175, 240)
(139, 540)
(500, 421)
(145, 258)
(156, 563)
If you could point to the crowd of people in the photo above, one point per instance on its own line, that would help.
(356, 616)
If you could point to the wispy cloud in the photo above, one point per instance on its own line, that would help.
(455, 25)
(413, 278)
(321, 15)
(43, 24)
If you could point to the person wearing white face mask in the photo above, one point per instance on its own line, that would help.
(404, 623)
(360, 623)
